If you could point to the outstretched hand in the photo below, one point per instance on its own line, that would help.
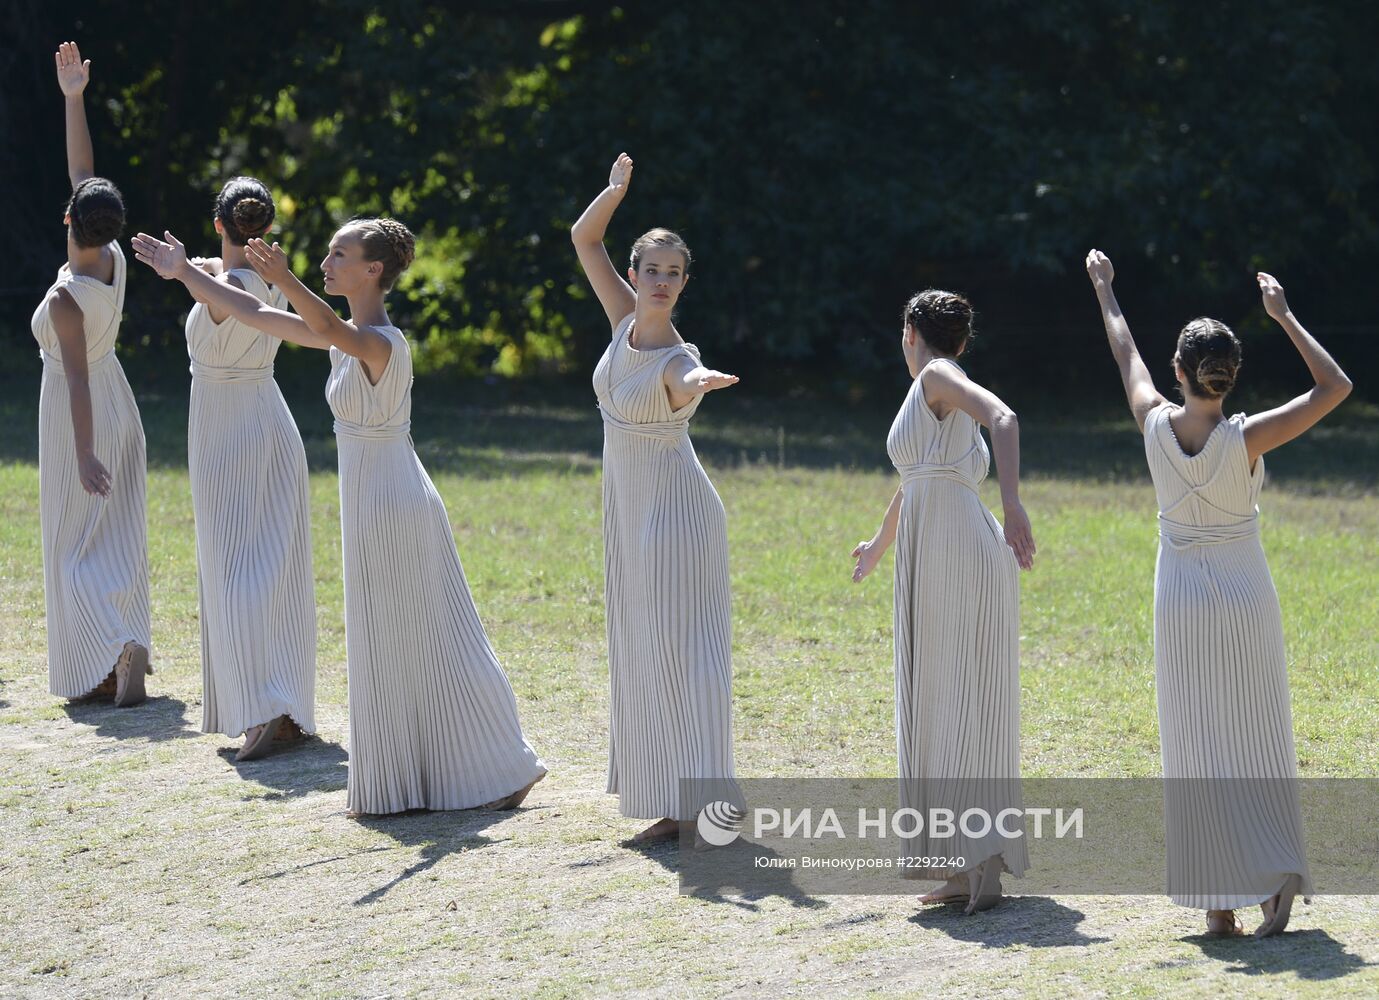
(72, 73)
(1274, 302)
(709, 380)
(1099, 269)
(269, 261)
(1019, 535)
(621, 174)
(167, 258)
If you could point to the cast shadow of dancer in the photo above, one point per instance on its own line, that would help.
(304, 766)
(1034, 921)
(1309, 953)
(438, 834)
(158, 718)
(740, 874)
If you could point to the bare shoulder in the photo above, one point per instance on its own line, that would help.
(63, 304)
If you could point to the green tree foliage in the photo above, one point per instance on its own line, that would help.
(823, 160)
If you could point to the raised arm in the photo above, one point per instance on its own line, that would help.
(1266, 431)
(614, 293)
(869, 553)
(169, 259)
(67, 320)
(364, 343)
(1139, 387)
(72, 76)
(948, 386)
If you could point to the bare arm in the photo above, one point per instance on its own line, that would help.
(68, 323)
(614, 293)
(1134, 376)
(72, 76)
(684, 380)
(1266, 431)
(869, 553)
(170, 261)
(949, 387)
(366, 343)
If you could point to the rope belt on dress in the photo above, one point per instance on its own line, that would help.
(212, 373)
(660, 430)
(1182, 536)
(932, 470)
(362, 432)
(54, 362)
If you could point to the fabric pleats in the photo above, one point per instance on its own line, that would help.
(1232, 813)
(433, 720)
(667, 594)
(252, 501)
(957, 638)
(95, 549)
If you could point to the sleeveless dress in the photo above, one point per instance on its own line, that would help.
(665, 537)
(253, 529)
(433, 721)
(1232, 815)
(957, 637)
(95, 549)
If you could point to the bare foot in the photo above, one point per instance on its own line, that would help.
(953, 891)
(258, 740)
(662, 829)
(1278, 908)
(515, 799)
(1224, 923)
(984, 886)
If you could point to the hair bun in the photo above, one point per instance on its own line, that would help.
(400, 238)
(943, 319)
(252, 217)
(1216, 375)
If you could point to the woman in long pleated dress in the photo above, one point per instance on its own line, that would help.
(91, 466)
(1232, 815)
(665, 536)
(957, 604)
(250, 493)
(433, 721)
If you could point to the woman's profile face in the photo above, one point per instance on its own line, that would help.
(344, 266)
(660, 277)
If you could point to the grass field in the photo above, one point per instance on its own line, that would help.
(139, 860)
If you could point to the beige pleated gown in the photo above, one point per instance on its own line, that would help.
(253, 527)
(1234, 827)
(957, 638)
(665, 539)
(95, 549)
(433, 720)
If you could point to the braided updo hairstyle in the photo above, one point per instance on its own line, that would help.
(943, 319)
(96, 213)
(659, 238)
(1209, 355)
(385, 240)
(245, 208)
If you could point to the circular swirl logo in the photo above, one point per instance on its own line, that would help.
(720, 823)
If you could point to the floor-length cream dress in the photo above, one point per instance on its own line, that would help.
(95, 549)
(253, 527)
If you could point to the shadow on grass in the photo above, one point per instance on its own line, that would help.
(1033, 921)
(438, 834)
(713, 875)
(295, 769)
(1308, 954)
(155, 720)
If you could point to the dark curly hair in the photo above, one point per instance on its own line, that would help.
(943, 319)
(245, 208)
(1209, 355)
(96, 213)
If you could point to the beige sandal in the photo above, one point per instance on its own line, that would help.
(1224, 924)
(985, 886)
(260, 744)
(515, 799)
(130, 670)
(1283, 908)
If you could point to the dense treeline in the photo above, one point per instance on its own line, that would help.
(822, 159)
